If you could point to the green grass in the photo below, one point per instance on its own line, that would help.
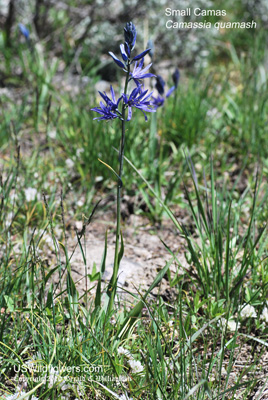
(199, 163)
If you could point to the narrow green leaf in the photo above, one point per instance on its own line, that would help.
(113, 171)
(135, 312)
(121, 252)
(51, 272)
(9, 303)
(194, 389)
(102, 269)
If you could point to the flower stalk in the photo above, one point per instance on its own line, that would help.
(139, 99)
(113, 283)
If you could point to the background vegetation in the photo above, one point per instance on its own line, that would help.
(198, 165)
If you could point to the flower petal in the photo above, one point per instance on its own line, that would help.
(147, 76)
(123, 52)
(171, 90)
(116, 60)
(146, 68)
(141, 55)
(129, 114)
(112, 94)
(127, 49)
(104, 96)
(140, 64)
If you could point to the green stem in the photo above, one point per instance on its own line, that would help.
(111, 291)
(174, 104)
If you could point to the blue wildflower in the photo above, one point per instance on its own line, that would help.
(110, 110)
(160, 86)
(24, 31)
(157, 101)
(138, 99)
(139, 73)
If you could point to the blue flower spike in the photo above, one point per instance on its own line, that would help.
(108, 110)
(138, 98)
(126, 48)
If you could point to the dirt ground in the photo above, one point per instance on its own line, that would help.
(144, 253)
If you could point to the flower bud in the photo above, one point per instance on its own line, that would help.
(176, 77)
(130, 35)
(24, 31)
(160, 85)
